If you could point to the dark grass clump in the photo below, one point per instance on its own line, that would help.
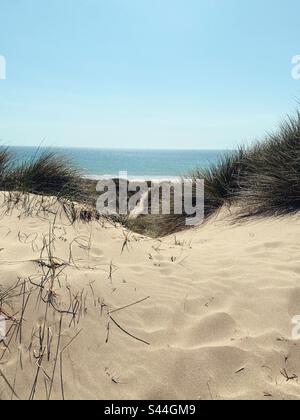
(271, 184)
(5, 166)
(222, 180)
(47, 174)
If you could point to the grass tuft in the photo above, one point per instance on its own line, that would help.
(222, 180)
(5, 166)
(271, 184)
(47, 174)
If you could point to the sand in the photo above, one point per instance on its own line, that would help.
(216, 310)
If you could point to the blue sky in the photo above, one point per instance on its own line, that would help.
(146, 73)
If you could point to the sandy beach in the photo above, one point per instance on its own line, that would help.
(109, 314)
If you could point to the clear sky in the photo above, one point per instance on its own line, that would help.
(146, 73)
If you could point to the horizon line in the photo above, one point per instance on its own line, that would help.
(121, 148)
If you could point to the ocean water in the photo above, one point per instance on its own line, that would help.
(149, 164)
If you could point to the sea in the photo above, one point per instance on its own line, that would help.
(139, 164)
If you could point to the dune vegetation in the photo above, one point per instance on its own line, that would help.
(260, 180)
(46, 174)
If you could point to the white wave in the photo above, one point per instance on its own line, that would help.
(136, 178)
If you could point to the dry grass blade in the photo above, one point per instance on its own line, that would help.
(128, 333)
(128, 306)
(61, 363)
(9, 385)
(56, 357)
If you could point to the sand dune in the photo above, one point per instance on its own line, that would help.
(216, 307)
